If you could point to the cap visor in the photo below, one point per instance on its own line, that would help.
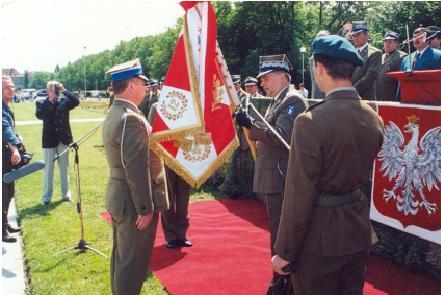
(143, 77)
(264, 73)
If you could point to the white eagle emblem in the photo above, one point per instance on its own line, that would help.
(414, 167)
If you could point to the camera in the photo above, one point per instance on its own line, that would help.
(56, 88)
(7, 153)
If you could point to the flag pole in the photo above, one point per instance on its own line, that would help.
(273, 131)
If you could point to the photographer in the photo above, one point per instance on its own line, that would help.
(10, 155)
(54, 111)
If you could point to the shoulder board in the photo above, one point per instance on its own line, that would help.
(311, 107)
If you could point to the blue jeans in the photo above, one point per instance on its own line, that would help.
(63, 164)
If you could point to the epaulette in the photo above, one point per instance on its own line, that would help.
(315, 105)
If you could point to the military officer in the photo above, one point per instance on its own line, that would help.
(364, 76)
(145, 103)
(175, 220)
(272, 155)
(240, 92)
(252, 88)
(130, 197)
(386, 87)
(324, 229)
(434, 34)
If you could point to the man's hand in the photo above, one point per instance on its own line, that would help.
(279, 263)
(15, 157)
(143, 221)
(243, 119)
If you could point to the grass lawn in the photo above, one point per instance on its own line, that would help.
(50, 229)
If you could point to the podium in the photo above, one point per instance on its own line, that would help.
(419, 86)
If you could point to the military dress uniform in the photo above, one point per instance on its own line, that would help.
(386, 87)
(324, 228)
(130, 191)
(364, 76)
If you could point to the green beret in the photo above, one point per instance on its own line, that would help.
(337, 47)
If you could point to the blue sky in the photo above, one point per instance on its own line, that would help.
(35, 35)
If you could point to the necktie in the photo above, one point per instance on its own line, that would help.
(415, 60)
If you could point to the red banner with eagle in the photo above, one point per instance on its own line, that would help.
(193, 129)
(406, 191)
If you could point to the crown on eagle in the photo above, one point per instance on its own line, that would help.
(413, 119)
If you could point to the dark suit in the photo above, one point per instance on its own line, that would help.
(333, 147)
(429, 60)
(386, 87)
(55, 116)
(272, 156)
(130, 192)
(363, 78)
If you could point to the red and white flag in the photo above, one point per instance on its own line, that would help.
(406, 190)
(193, 130)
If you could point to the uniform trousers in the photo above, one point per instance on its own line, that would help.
(131, 253)
(342, 275)
(8, 192)
(63, 164)
(280, 285)
(175, 220)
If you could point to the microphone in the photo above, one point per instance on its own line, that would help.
(23, 171)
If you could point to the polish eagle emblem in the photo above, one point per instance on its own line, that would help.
(414, 166)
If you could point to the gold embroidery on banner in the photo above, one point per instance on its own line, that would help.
(174, 106)
(196, 149)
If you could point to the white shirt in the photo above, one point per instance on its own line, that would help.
(304, 92)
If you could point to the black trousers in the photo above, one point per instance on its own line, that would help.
(8, 192)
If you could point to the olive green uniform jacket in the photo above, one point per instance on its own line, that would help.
(130, 192)
(333, 148)
(386, 87)
(364, 77)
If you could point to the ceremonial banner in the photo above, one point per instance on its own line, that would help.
(193, 130)
(406, 190)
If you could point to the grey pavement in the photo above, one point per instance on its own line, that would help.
(13, 274)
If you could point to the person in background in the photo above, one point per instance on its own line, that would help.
(346, 30)
(324, 229)
(303, 91)
(11, 142)
(57, 136)
(272, 155)
(252, 88)
(240, 92)
(424, 57)
(364, 76)
(435, 34)
(315, 91)
(386, 87)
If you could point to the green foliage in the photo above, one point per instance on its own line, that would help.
(39, 79)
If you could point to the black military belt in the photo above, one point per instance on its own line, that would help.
(331, 200)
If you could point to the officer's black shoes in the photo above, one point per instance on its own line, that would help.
(178, 244)
(13, 229)
(8, 239)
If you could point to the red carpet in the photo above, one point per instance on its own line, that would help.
(230, 255)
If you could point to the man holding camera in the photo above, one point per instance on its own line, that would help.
(57, 136)
(10, 155)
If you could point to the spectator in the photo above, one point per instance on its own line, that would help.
(10, 155)
(434, 34)
(57, 136)
(303, 91)
(315, 91)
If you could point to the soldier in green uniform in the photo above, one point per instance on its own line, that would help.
(386, 87)
(145, 103)
(364, 75)
(240, 92)
(252, 88)
(324, 229)
(272, 155)
(130, 197)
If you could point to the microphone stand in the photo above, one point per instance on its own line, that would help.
(82, 244)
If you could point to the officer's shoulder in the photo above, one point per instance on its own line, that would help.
(373, 49)
(316, 106)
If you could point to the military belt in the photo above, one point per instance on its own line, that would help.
(332, 200)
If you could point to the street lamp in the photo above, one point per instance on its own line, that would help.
(84, 68)
(303, 51)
